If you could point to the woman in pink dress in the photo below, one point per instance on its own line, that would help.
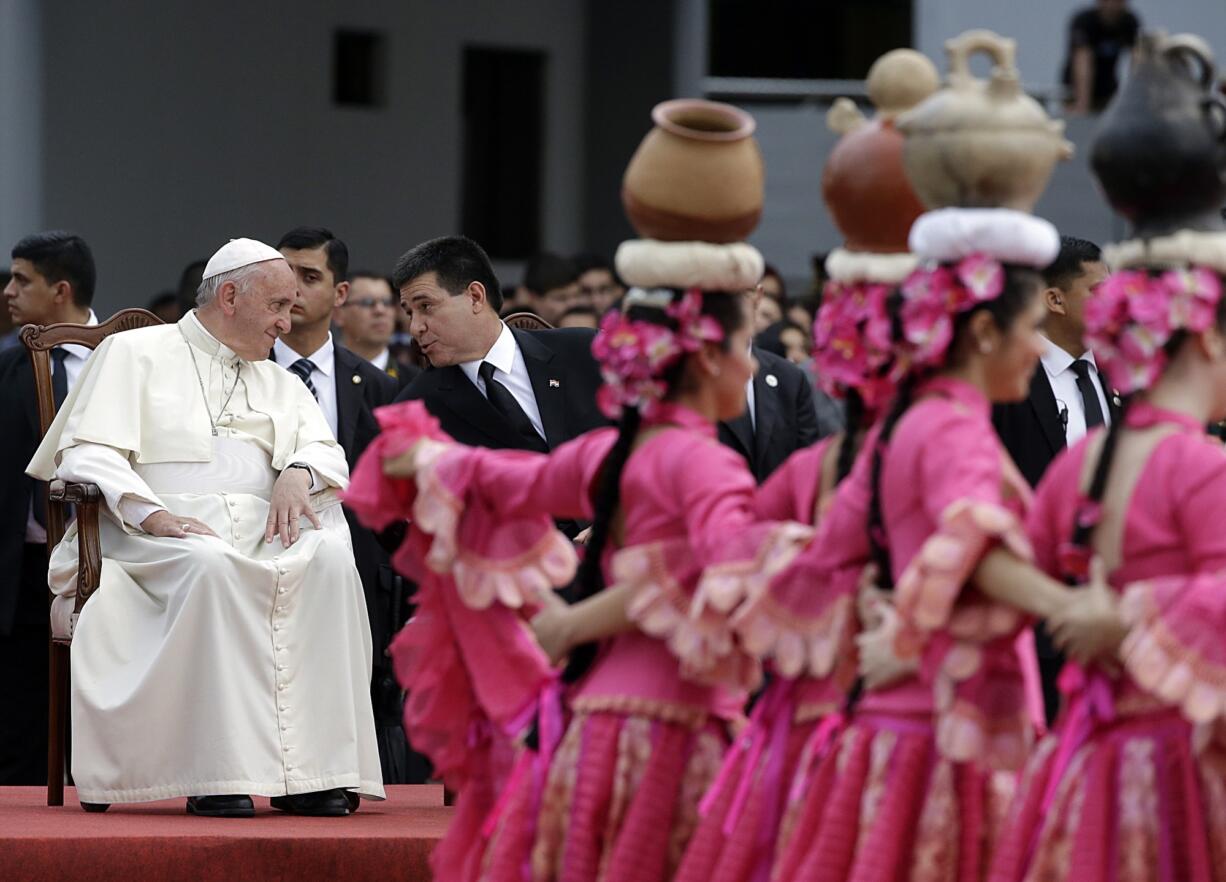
(616, 796)
(918, 779)
(745, 815)
(1133, 787)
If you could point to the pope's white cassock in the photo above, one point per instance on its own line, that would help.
(205, 665)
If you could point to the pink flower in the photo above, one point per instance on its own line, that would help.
(981, 276)
(634, 355)
(1132, 316)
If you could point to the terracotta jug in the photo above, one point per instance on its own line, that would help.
(1160, 149)
(697, 176)
(981, 143)
(864, 184)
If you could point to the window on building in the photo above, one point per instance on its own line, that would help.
(504, 117)
(803, 39)
(359, 68)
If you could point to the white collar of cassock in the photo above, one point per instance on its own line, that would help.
(198, 335)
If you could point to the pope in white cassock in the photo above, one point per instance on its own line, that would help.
(227, 650)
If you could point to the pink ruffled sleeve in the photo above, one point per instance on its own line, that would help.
(488, 511)
(473, 673)
(1174, 648)
(685, 589)
(965, 640)
(790, 493)
(961, 483)
(803, 615)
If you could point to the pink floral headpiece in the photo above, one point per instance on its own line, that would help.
(634, 355)
(932, 297)
(1134, 313)
(852, 342)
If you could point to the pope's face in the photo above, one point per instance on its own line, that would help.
(262, 310)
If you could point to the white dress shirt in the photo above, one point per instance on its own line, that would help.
(1063, 379)
(511, 371)
(73, 362)
(323, 375)
(380, 360)
(749, 399)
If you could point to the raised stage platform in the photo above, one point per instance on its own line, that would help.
(158, 841)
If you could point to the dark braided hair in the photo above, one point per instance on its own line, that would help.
(729, 311)
(856, 415)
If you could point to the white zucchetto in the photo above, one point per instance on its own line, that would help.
(239, 253)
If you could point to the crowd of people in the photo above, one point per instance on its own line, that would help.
(686, 581)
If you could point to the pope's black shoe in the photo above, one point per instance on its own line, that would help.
(320, 804)
(221, 806)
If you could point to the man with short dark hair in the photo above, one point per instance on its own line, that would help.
(348, 389)
(1067, 397)
(489, 385)
(551, 286)
(52, 281)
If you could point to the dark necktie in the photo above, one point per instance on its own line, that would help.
(59, 391)
(59, 376)
(303, 367)
(504, 402)
(1089, 395)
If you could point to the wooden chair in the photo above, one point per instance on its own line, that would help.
(522, 321)
(39, 340)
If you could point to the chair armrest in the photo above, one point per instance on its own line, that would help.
(73, 493)
(85, 498)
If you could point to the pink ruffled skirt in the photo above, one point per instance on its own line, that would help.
(884, 806)
(1136, 803)
(748, 813)
(619, 803)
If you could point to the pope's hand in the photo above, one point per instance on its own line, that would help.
(173, 526)
(291, 500)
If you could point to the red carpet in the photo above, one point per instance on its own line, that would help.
(158, 841)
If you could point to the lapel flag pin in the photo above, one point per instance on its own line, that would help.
(555, 384)
(356, 379)
(772, 380)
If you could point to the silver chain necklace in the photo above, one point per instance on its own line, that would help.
(205, 395)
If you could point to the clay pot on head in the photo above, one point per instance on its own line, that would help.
(697, 176)
(864, 184)
(1159, 151)
(981, 143)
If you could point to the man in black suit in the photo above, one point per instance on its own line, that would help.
(1067, 397)
(52, 281)
(779, 418)
(348, 389)
(489, 385)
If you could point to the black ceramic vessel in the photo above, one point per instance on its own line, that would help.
(1160, 149)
